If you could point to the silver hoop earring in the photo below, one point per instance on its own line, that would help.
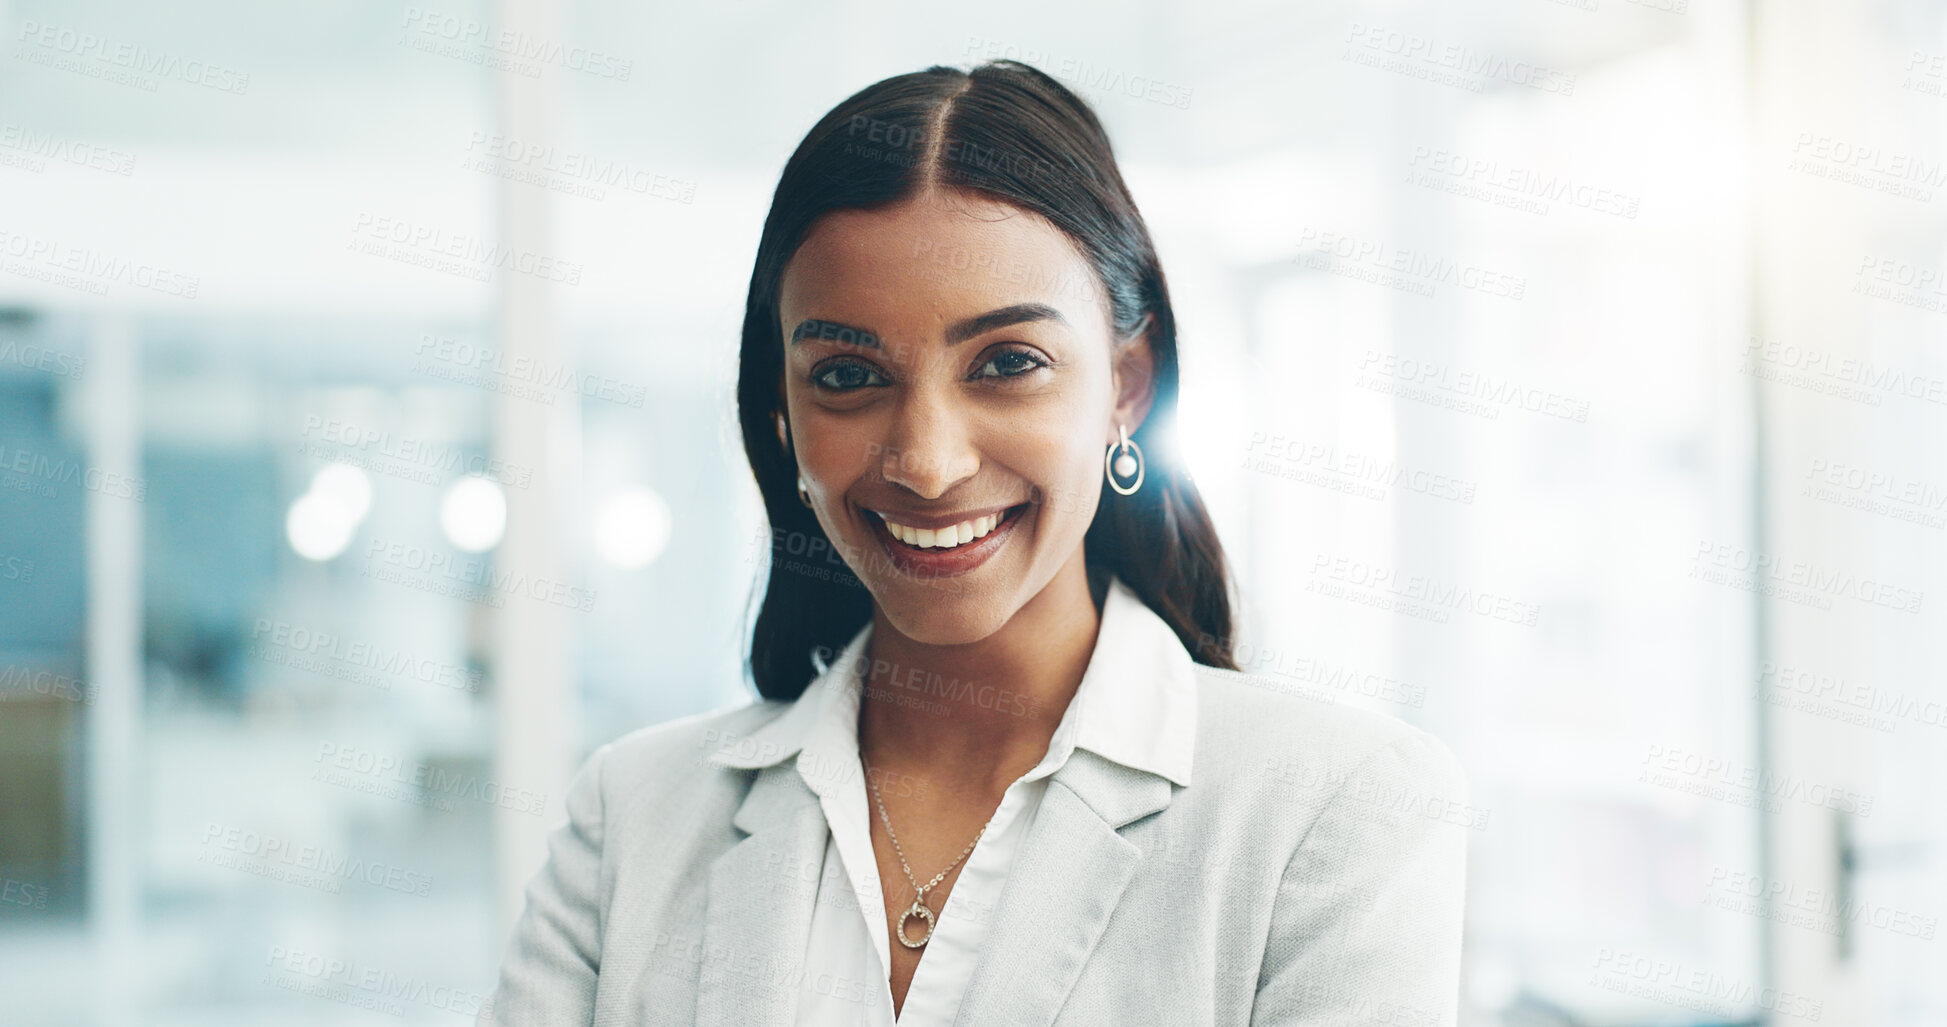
(1129, 461)
(803, 496)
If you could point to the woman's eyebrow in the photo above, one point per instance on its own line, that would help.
(844, 334)
(1019, 313)
(958, 332)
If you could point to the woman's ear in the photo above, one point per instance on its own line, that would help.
(783, 431)
(1135, 378)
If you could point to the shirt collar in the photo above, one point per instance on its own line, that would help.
(1136, 703)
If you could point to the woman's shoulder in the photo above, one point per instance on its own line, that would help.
(662, 755)
(1293, 737)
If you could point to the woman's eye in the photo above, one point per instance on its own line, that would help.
(1008, 364)
(848, 375)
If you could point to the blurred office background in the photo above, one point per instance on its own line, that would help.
(331, 541)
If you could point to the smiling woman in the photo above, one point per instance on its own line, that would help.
(978, 220)
(958, 372)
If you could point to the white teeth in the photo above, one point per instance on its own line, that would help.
(944, 538)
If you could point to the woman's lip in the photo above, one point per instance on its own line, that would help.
(946, 563)
(935, 522)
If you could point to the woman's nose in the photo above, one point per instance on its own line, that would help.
(930, 449)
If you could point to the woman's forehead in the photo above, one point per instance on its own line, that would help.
(941, 254)
(947, 229)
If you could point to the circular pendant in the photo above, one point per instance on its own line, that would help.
(917, 909)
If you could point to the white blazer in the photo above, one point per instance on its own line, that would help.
(1311, 872)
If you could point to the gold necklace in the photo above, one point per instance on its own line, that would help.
(918, 908)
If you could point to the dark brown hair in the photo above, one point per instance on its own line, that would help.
(1011, 132)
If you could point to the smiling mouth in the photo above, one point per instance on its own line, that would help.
(951, 538)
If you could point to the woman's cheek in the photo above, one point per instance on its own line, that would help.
(1070, 500)
(837, 452)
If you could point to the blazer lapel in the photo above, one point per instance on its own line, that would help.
(758, 912)
(1066, 879)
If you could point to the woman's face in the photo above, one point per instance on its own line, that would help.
(951, 381)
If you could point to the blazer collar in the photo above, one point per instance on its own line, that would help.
(1136, 704)
(1133, 739)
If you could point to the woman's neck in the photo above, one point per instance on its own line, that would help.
(1002, 696)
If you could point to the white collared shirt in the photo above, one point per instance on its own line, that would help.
(1126, 709)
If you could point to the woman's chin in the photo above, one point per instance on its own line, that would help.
(932, 618)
